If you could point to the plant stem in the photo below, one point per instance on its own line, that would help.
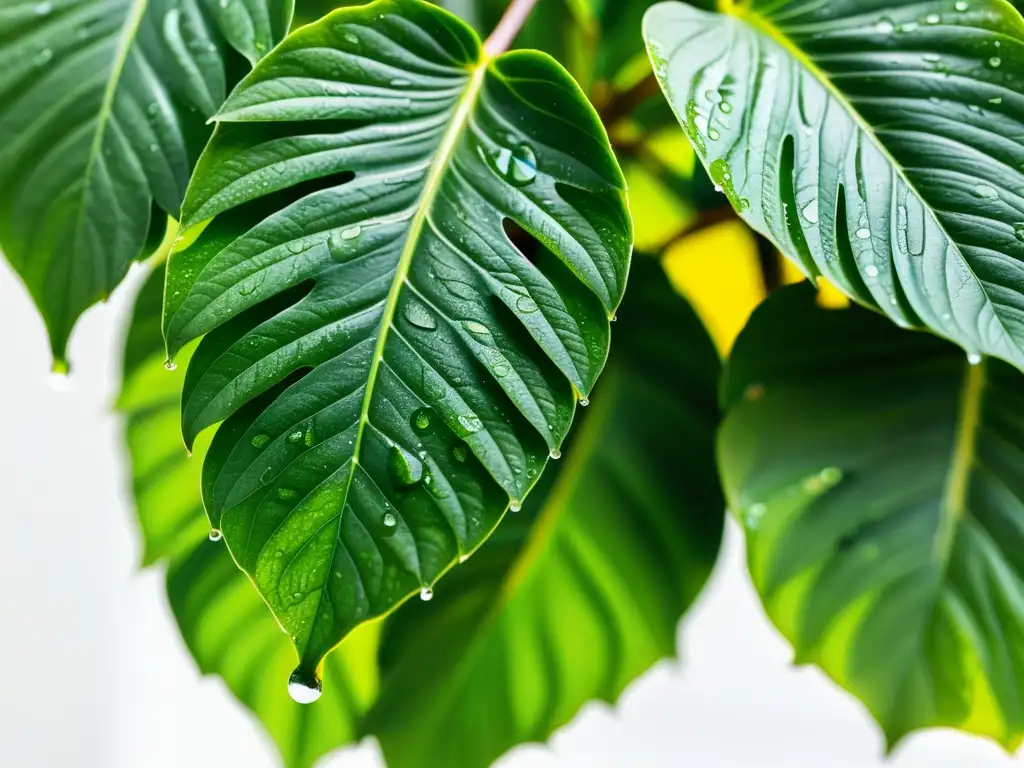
(503, 35)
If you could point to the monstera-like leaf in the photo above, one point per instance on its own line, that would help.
(878, 475)
(226, 626)
(879, 143)
(392, 372)
(103, 105)
(582, 591)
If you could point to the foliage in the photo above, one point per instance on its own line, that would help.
(391, 296)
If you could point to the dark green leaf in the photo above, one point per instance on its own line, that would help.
(879, 479)
(390, 369)
(226, 626)
(103, 105)
(581, 592)
(880, 144)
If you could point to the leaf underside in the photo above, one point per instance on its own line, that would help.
(390, 369)
(103, 105)
(880, 144)
(878, 477)
(577, 595)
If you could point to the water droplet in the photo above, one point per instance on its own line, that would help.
(526, 304)
(885, 26)
(726, 107)
(460, 453)
(170, 365)
(515, 506)
(961, 5)
(470, 423)
(753, 514)
(476, 328)
(810, 211)
(871, 270)
(215, 534)
(421, 420)
(297, 246)
(555, 453)
(419, 316)
(831, 475)
(973, 358)
(304, 689)
(995, 62)
(295, 436)
(713, 134)
(584, 402)
(863, 233)
(258, 441)
(399, 82)
(426, 594)
(351, 233)
(986, 192)
(42, 57)
(933, 18)
(225, 3)
(405, 467)
(518, 165)
(389, 520)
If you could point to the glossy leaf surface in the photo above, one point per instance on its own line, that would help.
(879, 479)
(880, 144)
(391, 369)
(103, 105)
(577, 595)
(227, 627)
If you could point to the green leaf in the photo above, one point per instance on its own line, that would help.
(879, 479)
(880, 144)
(103, 105)
(582, 591)
(226, 626)
(391, 370)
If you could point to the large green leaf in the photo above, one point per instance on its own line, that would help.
(226, 626)
(877, 142)
(880, 479)
(391, 371)
(581, 592)
(103, 105)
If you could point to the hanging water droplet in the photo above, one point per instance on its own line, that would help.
(973, 358)
(170, 365)
(460, 453)
(863, 233)
(518, 165)
(555, 453)
(426, 594)
(258, 441)
(871, 270)
(406, 469)
(303, 688)
(419, 316)
(215, 534)
(810, 211)
(515, 506)
(389, 520)
(986, 192)
(584, 402)
(421, 419)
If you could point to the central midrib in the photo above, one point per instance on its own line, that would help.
(435, 175)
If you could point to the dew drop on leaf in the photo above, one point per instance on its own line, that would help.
(555, 453)
(460, 453)
(419, 316)
(995, 62)
(526, 304)
(470, 423)
(986, 192)
(426, 594)
(885, 26)
(515, 506)
(389, 520)
(871, 270)
(43, 9)
(304, 689)
(296, 436)
(584, 402)
(973, 358)
(215, 534)
(351, 233)
(517, 165)
(421, 419)
(810, 211)
(863, 233)
(406, 469)
(258, 441)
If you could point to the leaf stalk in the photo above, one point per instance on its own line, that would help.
(515, 16)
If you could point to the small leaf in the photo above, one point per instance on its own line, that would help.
(103, 106)
(346, 256)
(878, 476)
(582, 591)
(880, 145)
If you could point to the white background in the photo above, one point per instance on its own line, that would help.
(95, 676)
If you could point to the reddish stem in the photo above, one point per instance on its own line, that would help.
(503, 35)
